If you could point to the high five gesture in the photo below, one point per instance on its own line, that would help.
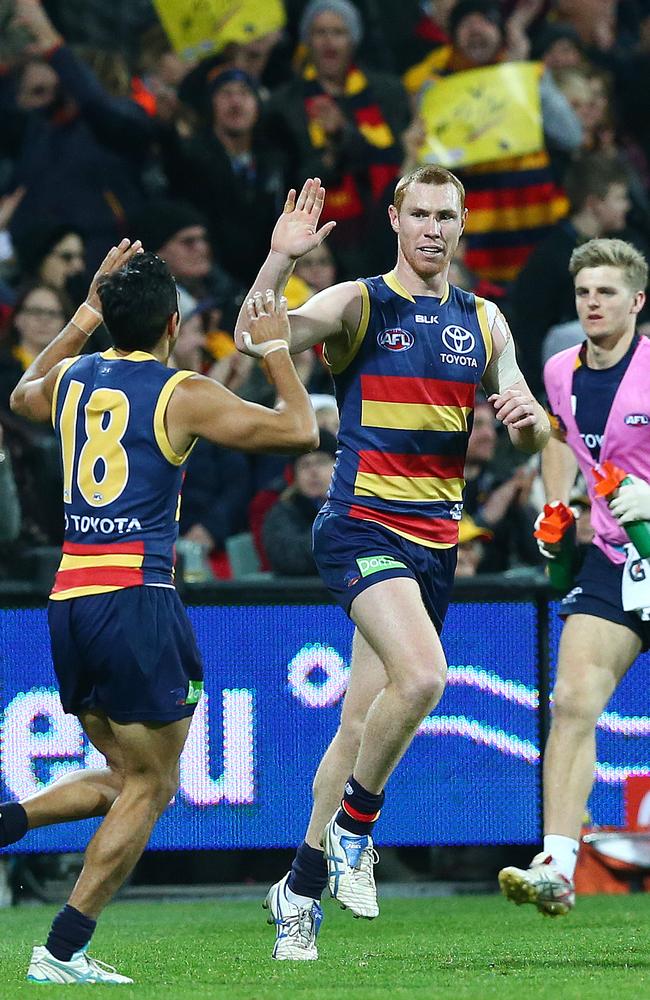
(296, 231)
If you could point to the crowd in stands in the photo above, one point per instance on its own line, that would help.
(107, 132)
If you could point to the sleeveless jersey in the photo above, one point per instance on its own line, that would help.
(121, 477)
(405, 389)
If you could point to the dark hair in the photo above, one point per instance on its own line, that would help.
(23, 294)
(137, 302)
(592, 175)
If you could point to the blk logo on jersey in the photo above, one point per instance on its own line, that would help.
(396, 339)
(637, 420)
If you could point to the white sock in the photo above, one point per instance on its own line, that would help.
(564, 851)
(304, 902)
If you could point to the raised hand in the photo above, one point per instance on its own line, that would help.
(268, 325)
(296, 231)
(116, 258)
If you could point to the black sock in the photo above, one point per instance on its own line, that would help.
(13, 823)
(71, 931)
(359, 808)
(308, 875)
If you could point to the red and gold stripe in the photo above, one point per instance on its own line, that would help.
(434, 532)
(405, 389)
(98, 569)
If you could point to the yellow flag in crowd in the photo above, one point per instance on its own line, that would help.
(482, 114)
(197, 28)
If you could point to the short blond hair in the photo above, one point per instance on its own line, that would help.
(429, 174)
(612, 253)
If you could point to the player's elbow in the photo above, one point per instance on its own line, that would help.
(308, 438)
(17, 401)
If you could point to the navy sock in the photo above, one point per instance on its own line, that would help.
(71, 931)
(308, 875)
(359, 808)
(13, 823)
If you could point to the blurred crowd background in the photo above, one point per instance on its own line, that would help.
(107, 131)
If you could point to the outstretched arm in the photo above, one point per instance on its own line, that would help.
(514, 404)
(32, 397)
(201, 407)
(329, 314)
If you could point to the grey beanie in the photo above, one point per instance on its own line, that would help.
(345, 10)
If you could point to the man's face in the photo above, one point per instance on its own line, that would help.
(312, 474)
(234, 108)
(331, 45)
(63, 261)
(478, 39)
(428, 226)
(189, 344)
(605, 304)
(483, 439)
(612, 210)
(188, 253)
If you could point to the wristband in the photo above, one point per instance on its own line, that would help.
(86, 318)
(261, 350)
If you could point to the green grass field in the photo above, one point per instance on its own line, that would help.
(459, 947)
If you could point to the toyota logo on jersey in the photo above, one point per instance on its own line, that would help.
(458, 340)
(395, 340)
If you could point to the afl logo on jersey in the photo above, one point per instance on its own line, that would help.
(458, 340)
(637, 420)
(396, 339)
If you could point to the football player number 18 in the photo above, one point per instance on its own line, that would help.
(102, 465)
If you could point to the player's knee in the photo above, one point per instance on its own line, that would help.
(573, 705)
(422, 690)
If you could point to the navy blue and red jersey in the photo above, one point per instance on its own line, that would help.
(405, 388)
(121, 476)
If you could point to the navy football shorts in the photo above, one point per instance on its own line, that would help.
(130, 653)
(352, 555)
(597, 592)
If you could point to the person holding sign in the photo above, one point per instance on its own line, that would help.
(512, 196)
(600, 400)
(407, 351)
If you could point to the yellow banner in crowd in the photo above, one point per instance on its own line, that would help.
(482, 114)
(198, 28)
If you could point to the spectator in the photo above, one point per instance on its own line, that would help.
(498, 503)
(217, 486)
(231, 171)
(84, 142)
(558, 46)
(288, 524)
(39, 314)
(178, 233)
(53, 254)
(512, 201)
(317, 268)
(341, 124)
(471, 548)
(543, 295)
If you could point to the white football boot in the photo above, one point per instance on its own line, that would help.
(45, 968)
(541, 884)
(296, 927)
(350, 861)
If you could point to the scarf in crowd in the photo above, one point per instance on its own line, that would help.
(359, 105)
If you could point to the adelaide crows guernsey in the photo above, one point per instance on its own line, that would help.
(121, 477)
(405, 389)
